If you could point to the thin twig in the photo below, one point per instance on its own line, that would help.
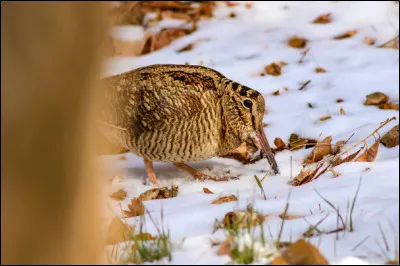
(330, 204)
(304, 85)
(383, 237)
(283, 220)
(352, 206)
(360, 243)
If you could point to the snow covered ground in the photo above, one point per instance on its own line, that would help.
(239, 48)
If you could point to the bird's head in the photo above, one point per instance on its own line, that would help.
(244, 111)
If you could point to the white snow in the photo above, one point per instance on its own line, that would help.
(239, 48)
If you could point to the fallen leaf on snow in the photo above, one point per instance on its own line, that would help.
(320, 150)
(118, 195)
(242, 219)
(159, 193)
(273, 69)
(289, 217)
(144, 237)
(389, 106)
(207, 191)
(369, 40)
(225, 247)
(393, 43)
(295, 142)
(342, 111)
(320, 70)
(230, 3)
(323, 19)
(376, 98)
(248, 5)
(280, 145)
(186, 48)
(232, 15)
(345, 35)
(224, 199)
(136, 208)
(297, 42)
(325, 118)
(370, 154)
(301, 253)
(302, 178)
(339, 145)
(276, 93)
(118, 232)
(349, 158)
(391, 138)
(339, 100)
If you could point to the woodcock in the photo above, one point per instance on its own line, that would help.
(178, 114)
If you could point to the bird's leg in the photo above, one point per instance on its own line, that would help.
(198, 174)
(150, 172)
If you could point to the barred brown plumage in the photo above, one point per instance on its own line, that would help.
(181, 113)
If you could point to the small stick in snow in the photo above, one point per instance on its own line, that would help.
(304, 85)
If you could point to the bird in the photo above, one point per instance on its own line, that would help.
(178, 114)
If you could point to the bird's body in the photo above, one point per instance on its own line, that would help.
(178, 113)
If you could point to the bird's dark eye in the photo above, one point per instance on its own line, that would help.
(247, 103)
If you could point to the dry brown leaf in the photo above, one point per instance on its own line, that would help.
(325, 118)
(163, 38)
(289, 217)
(339, 100)
(297, 42)
(231, 4)
(265, 124)
(342, 111)
(159, 193)
(224, 199)
(370, 154)
(282, 63)
(339, 145)
(118, 195)
(232, 15)
(320, 70)
(144, 237)
(389, 106)
(321, 149)
(376, 98)
(345, 35)
(280, 145)
(302, 177)
(276, 93)
(303, 253)
(349, 158)
(248, 5)
(279, 260)
(295, 142)
(242, 219)
(225, 247)
(186, 48)
(207, 191)
(273, 69)
(136, 208)
(118, 232)
(323, 19)
(391, 138)
(393, 43)
(369, 40)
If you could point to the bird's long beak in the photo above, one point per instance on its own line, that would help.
(260, 140)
